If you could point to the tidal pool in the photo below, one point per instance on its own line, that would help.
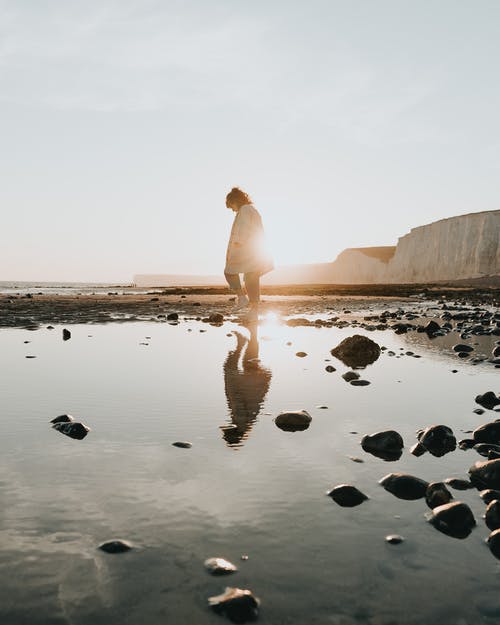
(244, 488)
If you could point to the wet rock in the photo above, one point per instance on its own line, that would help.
(431, 328)
(487, 433)
(240, 606)
(183, 444)
(438, 440)
(492, 515)
(66, 334)
(173, 316)
(462, 347)
(216, 318)
(294, 421)
(301, 354)
(493, 455)
(348, 376)
(493, 542)
(478, 411)
(357, 351)
(466, 443)
(437, 495)
(488, 400)
(115, 546)
(220, 566)
(484, 449)
(453, 519)
(418, 450)
(486, 474)
(489, 494)
(458, 484)
(73, 429)
(62, 418)
(347, 496)
(359, 383)
(404, 486)
(387, 445)
(496, 352)
(394, 539)
(330, 369)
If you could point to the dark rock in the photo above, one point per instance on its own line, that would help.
(357, 351)
(173, 316)
(387, 445)
(437, 495)
(486, 474)
(63, 418)
(488, 433)
(330, 369)
(453, 519)
(493, 454)
(73, 429)
(359, 383)
(115, 546)
(463, 354)
(466, 443)
(483, 449)
(492, 515)
(301, 354)
(294, 421)
(347, 496)
(220, 566)
(493, 542)
(404, 486)
(394, 539)
(431, 328)
(240, 606)
(153, 299)
(461, 347)
(496, 352)
(478, 411)
(183, 444)
(66, 334)
(459, 484)
(216, 318)
(488, 400)
(488, 495)
(418, 450)
(438, 440)
(348, 376)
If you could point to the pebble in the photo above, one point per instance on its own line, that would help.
(347, 496)
(394, 539)
(301, 354)
(330, 369)
(359, 383)
(350, 375)
(220, 566)
(183, 444)
(294, 421)
(63, 418)
(115, 546)
(73, 429)
(66, 334)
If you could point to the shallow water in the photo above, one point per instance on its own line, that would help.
(245, 487)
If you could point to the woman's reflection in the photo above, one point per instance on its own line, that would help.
(245, 387)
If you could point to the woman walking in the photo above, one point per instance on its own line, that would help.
(246, 251)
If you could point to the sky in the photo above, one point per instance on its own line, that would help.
(124, 123)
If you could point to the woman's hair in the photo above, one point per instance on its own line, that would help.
(238, 197)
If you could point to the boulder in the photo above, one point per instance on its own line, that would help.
(220, 566)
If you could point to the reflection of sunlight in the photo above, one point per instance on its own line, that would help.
(270, 319)
(272, 326)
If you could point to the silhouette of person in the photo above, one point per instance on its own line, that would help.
(245, 387)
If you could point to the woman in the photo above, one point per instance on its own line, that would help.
(246, 252)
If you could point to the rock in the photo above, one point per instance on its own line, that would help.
(478, 411)
(459, 484)
(347, 496)
(496, 352)
(493, 542)
(484, 449)
(438, 440)
(216, 318)
(294, 421)
(453, 519)
(418, 450)
(220, 566)
(492, 515)
(487, 433)
(183, 444)
(115, 546)
(437, 495)
(461, 347)
(66, 334)
(240, 606)
(330, 369)
(348, 376)
(387, 445)
(404, 486)
(357, 351)
(72, 429)
(486, 474)
(301, 354)
(173, 316)
(488, 495)
(394, 539)
(63, 418)
(359, 383)
(431, 328)
(488, 400)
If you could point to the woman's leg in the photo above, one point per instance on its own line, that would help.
(252, 283)
(233, 279)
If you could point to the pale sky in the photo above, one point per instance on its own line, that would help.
(124, 123)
